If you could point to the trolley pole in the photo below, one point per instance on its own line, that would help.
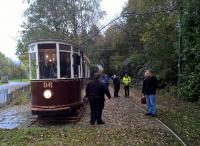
(180, 60)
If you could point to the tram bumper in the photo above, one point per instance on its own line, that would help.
(50, 110)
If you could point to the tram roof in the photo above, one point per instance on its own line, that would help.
(55, 41)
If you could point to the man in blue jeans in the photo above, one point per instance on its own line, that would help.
(150, 84)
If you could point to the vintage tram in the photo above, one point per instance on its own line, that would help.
(59, 71)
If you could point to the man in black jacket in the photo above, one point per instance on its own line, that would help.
(150, 84)
(95, 92)
(116, 83)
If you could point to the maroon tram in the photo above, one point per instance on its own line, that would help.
(59, 71)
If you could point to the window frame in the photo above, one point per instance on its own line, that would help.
(79, 66)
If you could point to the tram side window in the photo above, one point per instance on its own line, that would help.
(47, 61)
(76, 65)
(65, 65)
(33, 65)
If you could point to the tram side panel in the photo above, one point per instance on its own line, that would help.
(64, 95)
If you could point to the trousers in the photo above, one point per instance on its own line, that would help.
(151, 103)
(126, 88)
(116, 91)
(96, 107)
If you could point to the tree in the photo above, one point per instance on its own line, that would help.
(10, 68)
(57, 19)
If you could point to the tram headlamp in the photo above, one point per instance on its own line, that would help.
(47, 94)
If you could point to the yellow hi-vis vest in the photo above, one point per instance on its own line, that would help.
(126, 81)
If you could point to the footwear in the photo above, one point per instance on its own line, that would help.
(148, 114)
(100, 123)
(91, 123)
(154, 115)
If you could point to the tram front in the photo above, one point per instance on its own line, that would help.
(57, 72)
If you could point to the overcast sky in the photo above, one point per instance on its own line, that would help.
(11, 17)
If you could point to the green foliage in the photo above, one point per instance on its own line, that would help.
(182, 117)
(190, 87)
(191, 73)
(10, 68)
(149, 39)
(144, 41)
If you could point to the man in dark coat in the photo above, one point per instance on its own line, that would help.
(150, 84)
(95, 92)
(116, 83)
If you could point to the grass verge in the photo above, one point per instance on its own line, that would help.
(2, 83)
(97, 136)
(183, 117)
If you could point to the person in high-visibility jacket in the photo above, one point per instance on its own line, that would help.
(126, 81)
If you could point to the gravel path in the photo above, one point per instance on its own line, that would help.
(122, 112)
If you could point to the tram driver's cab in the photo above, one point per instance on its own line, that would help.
(57, 60)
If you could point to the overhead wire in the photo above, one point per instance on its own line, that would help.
(126, 14)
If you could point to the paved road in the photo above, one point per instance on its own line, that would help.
(8, 88)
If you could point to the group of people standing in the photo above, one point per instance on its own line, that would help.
(99, 87)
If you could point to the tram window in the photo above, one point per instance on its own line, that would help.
(76, 65)
(47, 61)
(65, 47)
(33, 65)
(65, 65)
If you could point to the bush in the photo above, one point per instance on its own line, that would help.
(190, 87)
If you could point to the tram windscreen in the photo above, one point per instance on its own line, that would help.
(65, 65)
(47, 61)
